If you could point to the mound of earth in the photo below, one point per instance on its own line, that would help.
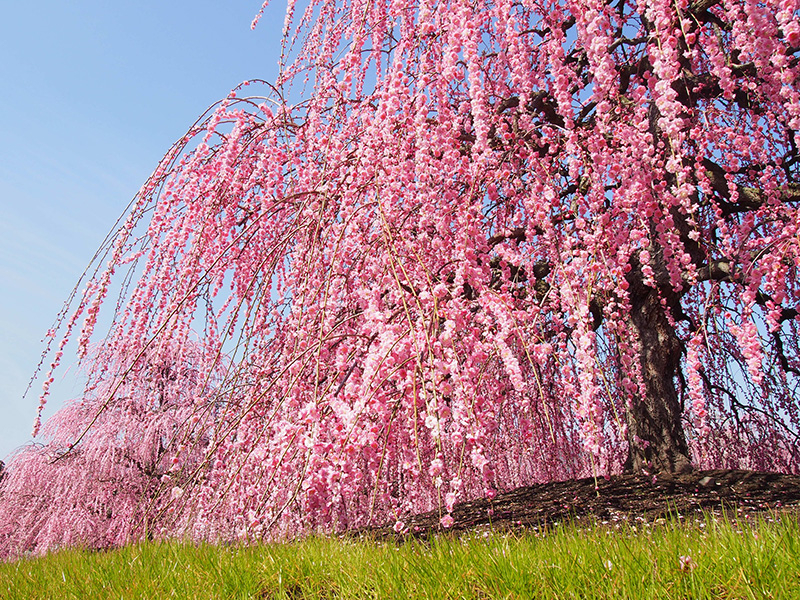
(739, 494)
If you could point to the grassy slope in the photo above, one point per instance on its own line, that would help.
(726, 561)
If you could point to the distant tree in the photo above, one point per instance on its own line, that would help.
(112, 464)
(496, 243)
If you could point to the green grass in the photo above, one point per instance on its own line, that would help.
(727, 560)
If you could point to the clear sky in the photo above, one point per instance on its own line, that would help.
(92, 94)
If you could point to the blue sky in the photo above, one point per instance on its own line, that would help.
(92, 94)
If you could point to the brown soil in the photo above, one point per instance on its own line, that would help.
(738, 494)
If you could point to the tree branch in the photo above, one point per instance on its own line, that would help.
(750, 198)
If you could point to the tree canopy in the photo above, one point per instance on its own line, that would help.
(459, 247)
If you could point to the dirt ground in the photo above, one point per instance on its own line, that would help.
(740, 494)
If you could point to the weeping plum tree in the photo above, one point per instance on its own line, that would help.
(494, 243)
(120, 481)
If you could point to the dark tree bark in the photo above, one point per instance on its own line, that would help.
(656, 440)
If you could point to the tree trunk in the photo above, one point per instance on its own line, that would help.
(656, 440)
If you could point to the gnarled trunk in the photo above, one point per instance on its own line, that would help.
(655, 436)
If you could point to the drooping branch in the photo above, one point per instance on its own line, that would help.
(749, 198)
